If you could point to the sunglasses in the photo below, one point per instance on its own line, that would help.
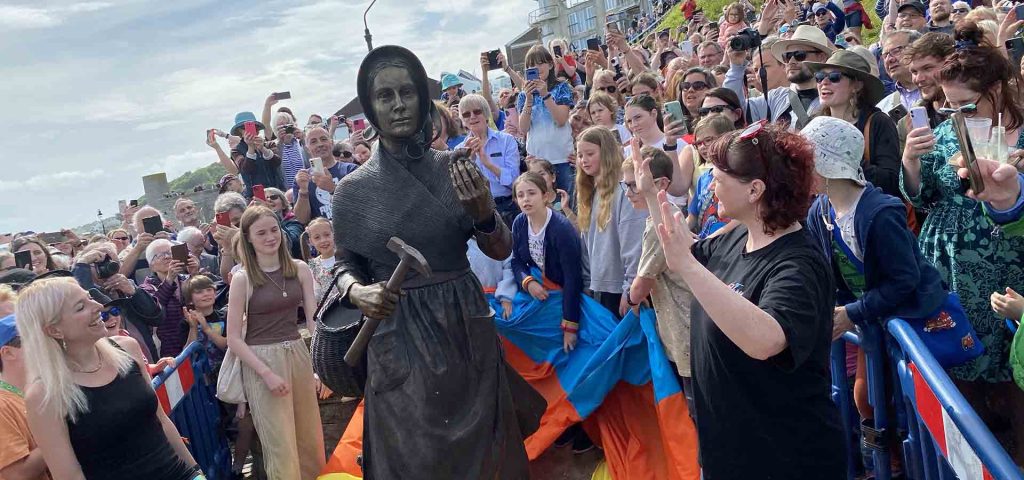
(960, 10)
(342, 153)
(610, 89)
(121, 239)
(833, 77)
(798, 55)
(113, 312)
(821, 13)
(695, 86)
(470, 113)
(714, 109)
(274, 196)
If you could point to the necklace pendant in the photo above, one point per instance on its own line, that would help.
(284, 294)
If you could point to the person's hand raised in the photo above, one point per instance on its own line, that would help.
(675, 237)
(1002, 187)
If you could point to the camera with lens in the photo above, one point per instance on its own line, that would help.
(107, 268)
(291, 129)
(746, 39)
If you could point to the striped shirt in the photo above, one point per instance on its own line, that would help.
(291, 162)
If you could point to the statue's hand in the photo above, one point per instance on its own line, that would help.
(472, 189)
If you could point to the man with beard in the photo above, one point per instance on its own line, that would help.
(440, 400)
(940, 22)
(314, 186)
(925, 58)
(894, 60)
(792, 104)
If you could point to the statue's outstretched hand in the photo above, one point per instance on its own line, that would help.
(470, 186)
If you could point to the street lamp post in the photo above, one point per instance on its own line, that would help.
(99, 214)
(366, 28)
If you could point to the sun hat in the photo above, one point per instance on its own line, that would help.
(449, 80)
(8, 329)
(853, 65)
(240, 119)
(804, 35)
(838, 148)
(866, 55)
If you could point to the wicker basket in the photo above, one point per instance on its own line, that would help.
(336, 329)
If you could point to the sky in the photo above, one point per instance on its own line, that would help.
(99, 94)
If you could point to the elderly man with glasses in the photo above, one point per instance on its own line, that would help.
(495, 153)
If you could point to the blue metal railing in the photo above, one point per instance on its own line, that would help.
(197, 415)
(923, 458)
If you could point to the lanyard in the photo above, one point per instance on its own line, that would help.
(11, 388)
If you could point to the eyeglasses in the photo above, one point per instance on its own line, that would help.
(470, 113)
(161, 256)
(712, 109)
(695, 86)
(798, 55)
(274, 196)
(894, 52)
(961, 10)
(833, 77)
(113, 312)
(908, 15)
(751, 132)
(629, 187)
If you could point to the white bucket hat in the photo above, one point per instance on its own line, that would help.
(838, 148)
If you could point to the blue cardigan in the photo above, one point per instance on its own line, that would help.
(899, 281)
(562, 259)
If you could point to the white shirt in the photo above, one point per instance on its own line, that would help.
(536, 240)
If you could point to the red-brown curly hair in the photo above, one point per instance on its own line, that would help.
(783, 160)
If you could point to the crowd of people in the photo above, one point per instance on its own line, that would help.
(765, 182)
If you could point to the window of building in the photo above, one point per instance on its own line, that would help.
(582, 21)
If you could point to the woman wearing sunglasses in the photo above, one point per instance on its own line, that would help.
(695, 85)
(495, 152)
(848, 91)
(724, 101)
(959, 237)
(761, 325)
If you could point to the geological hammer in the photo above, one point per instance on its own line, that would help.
(409, 257)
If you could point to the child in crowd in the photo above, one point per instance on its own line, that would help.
(612, 229)
(561, 200)
(320, 235)
(602, 107)
(703, 215)
(734, 23)
(205, 323)
(495, 276)
(672, 297)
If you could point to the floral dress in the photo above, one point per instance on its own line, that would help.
(321, 270)
(974, 258)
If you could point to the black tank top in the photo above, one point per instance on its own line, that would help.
(120, 436)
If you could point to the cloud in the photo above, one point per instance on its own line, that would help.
(48, 181)
(24, 17)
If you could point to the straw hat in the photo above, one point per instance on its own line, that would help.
(804, 35)
(855, 66)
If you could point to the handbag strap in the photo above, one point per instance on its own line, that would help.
(797, 108)
(867, 139)
(245, 310)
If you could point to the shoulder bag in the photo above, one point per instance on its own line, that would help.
(229, 380)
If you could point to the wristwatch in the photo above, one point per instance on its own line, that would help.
(670, 148)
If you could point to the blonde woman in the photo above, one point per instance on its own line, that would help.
(90, 403)
(277, 372)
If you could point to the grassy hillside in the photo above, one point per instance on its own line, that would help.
(713, 9)
(208, 175)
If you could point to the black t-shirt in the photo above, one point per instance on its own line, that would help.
(768, 419)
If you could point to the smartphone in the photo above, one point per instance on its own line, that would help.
(558, 50)
(283, 95)
(23, 259)
(133, 203)
(1019, 11)
(211, 135)
(897, 113)
(974, 179)
(675, 110)
(612, 27)
(594, 44)
(224, 219)
(492, 60)
(533, 74)
(152, 225)
(318, 165)
(258, 192)
(180, 253)
(250, 128)
(687, 47)
(1016, 45)
(359, 124)
(918, 117)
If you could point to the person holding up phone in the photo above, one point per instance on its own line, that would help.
(957, 236)
(258, 164)
(165, 284)
(313, 188)
(565, 62)
(544, 105)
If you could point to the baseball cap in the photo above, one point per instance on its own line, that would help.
(8, 330)
(916, 5)
(818, 7)
(838, 148)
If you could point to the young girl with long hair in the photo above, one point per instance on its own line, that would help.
(90, 401)
(544, 106)
(612, 229)
(602, 109)
(277, 371)
(320, 235)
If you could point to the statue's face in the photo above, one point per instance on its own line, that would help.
(396, 102)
